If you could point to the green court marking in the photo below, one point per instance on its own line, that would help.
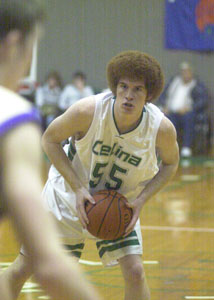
(182, 290)
(161, 278)
(111, 269)
(156, 289)
(182, 182)
(182, 278)
(194, 161)
(107, 285)
(154, 209)
(199, 160)
(200, 252)
(184, 268)
(161, 267)
(206, 261)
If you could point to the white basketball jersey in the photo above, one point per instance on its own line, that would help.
(106, 159)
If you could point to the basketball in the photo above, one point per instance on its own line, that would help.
(109, 216)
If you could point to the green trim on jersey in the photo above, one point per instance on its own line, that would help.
(141, 117)
(71, 151)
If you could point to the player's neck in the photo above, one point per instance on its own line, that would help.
(128, 125)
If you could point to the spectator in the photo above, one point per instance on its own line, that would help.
(184, 101)
(47, 97)
(75, 91)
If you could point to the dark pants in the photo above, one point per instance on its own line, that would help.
(185, 124)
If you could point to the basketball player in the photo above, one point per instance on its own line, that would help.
(20, 192)
(114, 138)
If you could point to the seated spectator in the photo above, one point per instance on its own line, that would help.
(47, 97)
(75, 91)
(184, 101)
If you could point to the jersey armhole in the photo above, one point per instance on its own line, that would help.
(94, 123)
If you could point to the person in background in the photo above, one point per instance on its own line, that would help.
(184, 101)
(47, 98)
(20, 162)
(75, 91)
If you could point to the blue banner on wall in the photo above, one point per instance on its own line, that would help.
(189, 24)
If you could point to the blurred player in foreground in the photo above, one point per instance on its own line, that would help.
(20, 161)
(115, 138)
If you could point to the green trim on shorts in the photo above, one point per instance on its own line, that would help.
(75, 247)
(133, 233)
(76, 254)
(75, 250)
(111, 248)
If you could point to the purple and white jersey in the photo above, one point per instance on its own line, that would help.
(14, 111)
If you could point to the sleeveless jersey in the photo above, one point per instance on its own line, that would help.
(106, 159)
(14, 111)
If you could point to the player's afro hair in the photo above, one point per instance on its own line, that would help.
(136, 65)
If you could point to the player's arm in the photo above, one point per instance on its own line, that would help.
(58, 274)
(75, 121)
(167, 147)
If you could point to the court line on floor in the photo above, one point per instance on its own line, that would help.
(199, 297)
(97, 263)
(173, 228)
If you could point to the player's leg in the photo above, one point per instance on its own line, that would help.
(136, 287)
(20, 270)
(127, 251)
(4, 289)
(131, 264)
(16, 275)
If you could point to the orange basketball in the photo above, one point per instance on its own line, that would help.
(109, 216)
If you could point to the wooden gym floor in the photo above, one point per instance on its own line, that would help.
(178, 233)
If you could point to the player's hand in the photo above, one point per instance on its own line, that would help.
(136, 208)
(82, 197)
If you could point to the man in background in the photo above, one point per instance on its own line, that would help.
(184, 102)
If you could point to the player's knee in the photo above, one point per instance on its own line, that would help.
(135, 274)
